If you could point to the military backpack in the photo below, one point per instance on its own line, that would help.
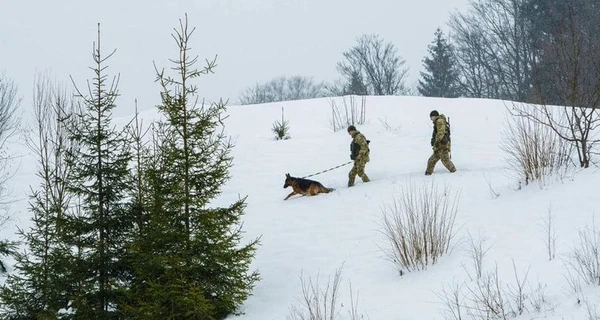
(446, 137)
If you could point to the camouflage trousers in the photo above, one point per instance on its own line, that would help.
(358, 169)
(440, 154)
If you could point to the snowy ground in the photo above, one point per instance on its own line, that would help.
(317, 235)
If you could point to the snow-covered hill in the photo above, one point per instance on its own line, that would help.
(317, 235)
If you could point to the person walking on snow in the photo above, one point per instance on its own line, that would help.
(440, 141)
(359, 152)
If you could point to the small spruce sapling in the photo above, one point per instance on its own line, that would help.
(281, 129)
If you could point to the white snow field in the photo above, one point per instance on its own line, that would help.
(317, 235)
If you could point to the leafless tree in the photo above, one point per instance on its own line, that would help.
(550, 234)
(36, 287)
(53, 106)
(572, 58)
(376, 63)
(283, 89)
(494, 49)
(475, 78)
(9, 102)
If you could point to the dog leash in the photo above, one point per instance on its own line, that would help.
(341, 165)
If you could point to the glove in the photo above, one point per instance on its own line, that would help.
(357, 157)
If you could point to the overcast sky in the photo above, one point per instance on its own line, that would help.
(255, 40)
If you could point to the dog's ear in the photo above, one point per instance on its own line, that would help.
(287, 175)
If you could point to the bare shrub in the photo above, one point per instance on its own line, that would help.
(321, 303)
(574, 126)
(453, 300)
(517, 292)
(488, 297)
(353, 312)
(592, 311)
(477, 252)
(318, 303)
(493, 192)
(351, 114)
(533, 150)
(281, 128)
(538, 299)
(419, 226)
(584, 260)
(387, 126)
(574, 285)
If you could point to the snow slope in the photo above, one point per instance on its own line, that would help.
(316, 235)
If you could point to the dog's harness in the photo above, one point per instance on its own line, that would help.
(341, 165)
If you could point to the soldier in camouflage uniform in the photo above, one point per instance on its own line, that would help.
(359, 152)
(440, 141)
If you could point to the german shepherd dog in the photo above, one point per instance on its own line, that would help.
(304, 187)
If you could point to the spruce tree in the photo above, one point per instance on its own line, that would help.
(356, 84)
(137, 254)
(6, 249)
(189, 263)
(440, 78)
(140, 155)
(37, 289)
(99, 227)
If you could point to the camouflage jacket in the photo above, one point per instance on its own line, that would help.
(359, 147)
(441, 131)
